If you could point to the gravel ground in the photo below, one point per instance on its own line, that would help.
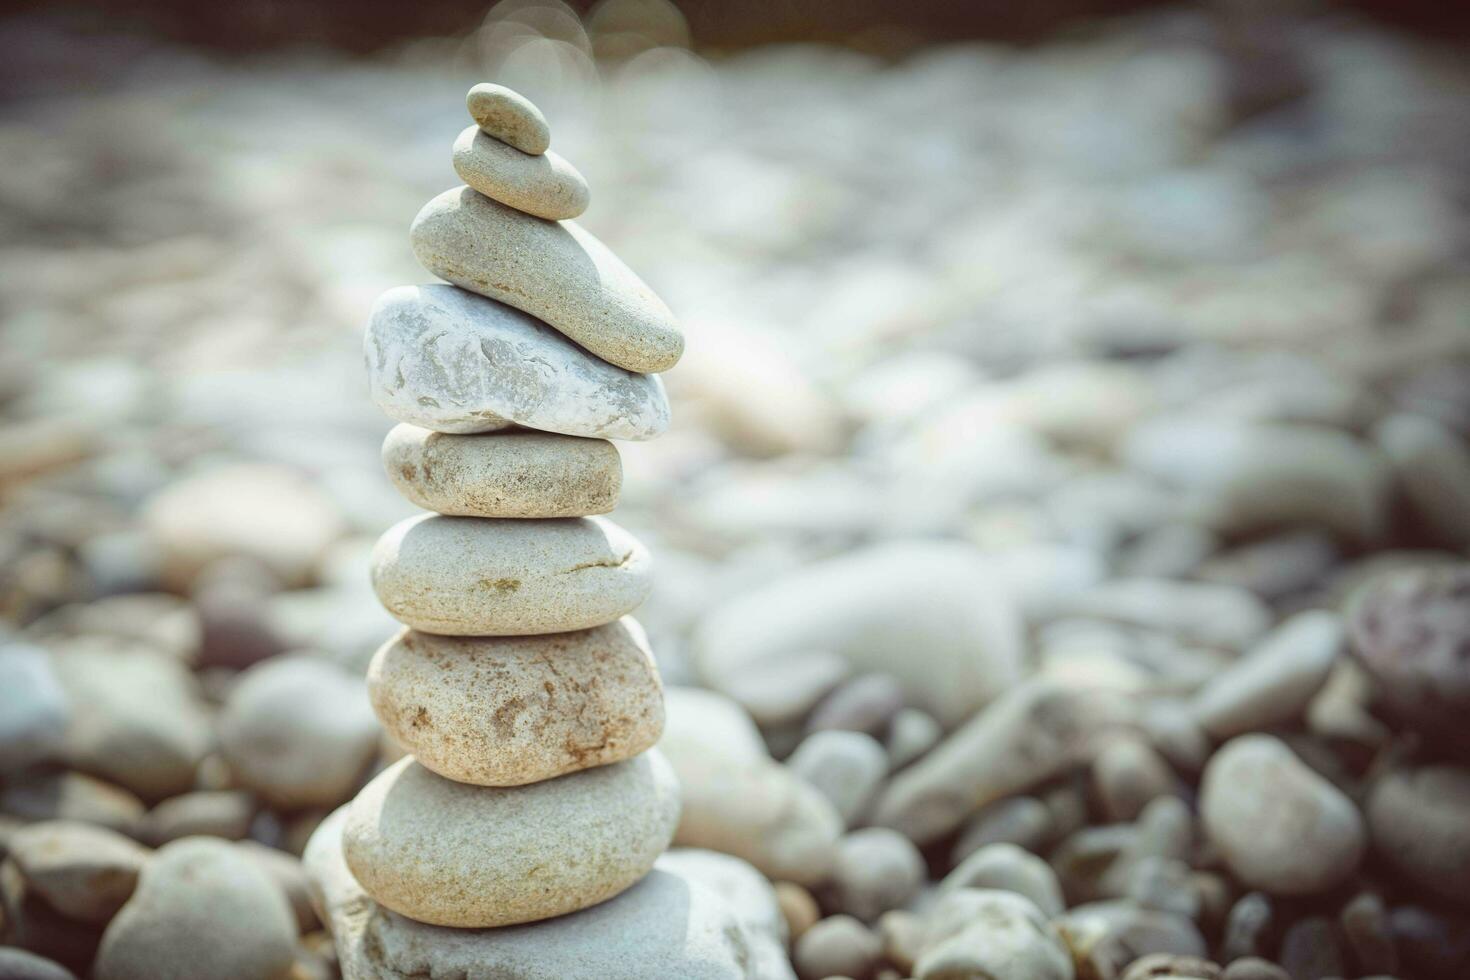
(1069, 478)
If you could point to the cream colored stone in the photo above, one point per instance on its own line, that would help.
(505, 474)
(670, 924)
(503, 711)
(1280, 827)
(451, 854)
(509, 116)
(545, 185)
(466, 576)
(556, 271)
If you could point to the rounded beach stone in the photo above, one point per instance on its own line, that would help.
(452, 854)
(1409, 628)
(270, 513)
(839, 945)
(503, 711)
(1275, 681)
(877, 869)
(33, 708)
(83, 872)
(71, 796)
(298, 731)
(223, 813)
(977, 932)
(1420, 823)
(1030, 734)
(1008, 868)
(937, 601)
(504, 474)
(1127, 774)
(18, 964)
(670, 924)
(144, 726)
(846, 767)
(739, 800)
(1279, 826)
(544, 185)
(202, 910)
(452, 361)
(556, 271)
(798, 908)
(509, 116)
(1239, 477)
(465, 576)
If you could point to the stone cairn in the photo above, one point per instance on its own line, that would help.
(526, 695)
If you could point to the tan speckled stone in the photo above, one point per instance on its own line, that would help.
(509, 116)
(505, 710)
(451, 854)
(503, 474)
(471, 576)
(546, 185)
(556, 271)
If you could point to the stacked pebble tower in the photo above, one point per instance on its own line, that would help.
(526, 696)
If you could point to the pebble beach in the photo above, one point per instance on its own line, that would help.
(1050, 555)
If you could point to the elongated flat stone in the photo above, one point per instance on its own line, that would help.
(556, 271)
(517, 473)
(511, 710)
(451, 361)
(509, 116)
(546, 185)
(469, 576)
(451, 854)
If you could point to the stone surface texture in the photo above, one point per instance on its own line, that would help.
(556, 271)
(509, 116)
(452, 854)
(445, 359)
(542, 185)
(506, 474)
(464, 576)
(503, 711)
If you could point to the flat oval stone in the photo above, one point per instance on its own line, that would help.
(545, 185)
(451, 361)
(504, 474)
(1279, 826)
(555, 271)
(509, 116)
(670, 924)
(506, 710)
(468, 576)
(450, 854)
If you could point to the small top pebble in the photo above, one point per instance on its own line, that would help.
(509, 117)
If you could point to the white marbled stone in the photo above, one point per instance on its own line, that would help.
(447, 360)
